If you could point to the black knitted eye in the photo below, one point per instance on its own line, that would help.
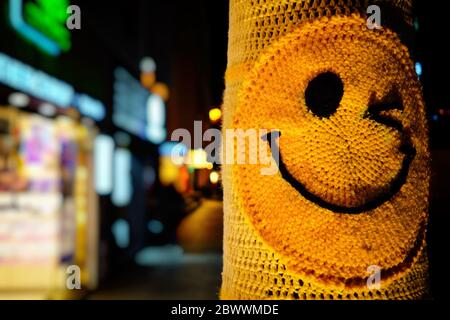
(324, 93)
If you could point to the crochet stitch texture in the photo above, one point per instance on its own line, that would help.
(356, 195)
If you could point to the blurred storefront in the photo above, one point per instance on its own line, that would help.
(86, 175)
(49, 210)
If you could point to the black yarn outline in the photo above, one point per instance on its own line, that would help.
(407, 148)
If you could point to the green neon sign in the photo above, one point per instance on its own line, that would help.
(49, 17)
(43, 22)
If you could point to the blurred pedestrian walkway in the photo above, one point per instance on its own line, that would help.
(165, 273)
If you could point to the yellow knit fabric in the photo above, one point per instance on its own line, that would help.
(278, 244)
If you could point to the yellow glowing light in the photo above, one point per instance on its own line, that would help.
(214, 177)
(197, 159)
(215, 114)
(168, 171)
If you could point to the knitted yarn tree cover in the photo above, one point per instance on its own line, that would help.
(350, 197)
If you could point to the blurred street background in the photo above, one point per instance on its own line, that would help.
(86, 177)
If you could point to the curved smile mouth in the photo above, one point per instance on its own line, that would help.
(394, 187)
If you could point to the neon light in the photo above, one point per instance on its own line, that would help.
(103, 159)
(147, 64)
(122, 189)
(159, 255)
(47, 109)
(215, 114)
(136, 110)
(198, 159)
(90, 107)
(418, 66)
(121, 232)
(18, 99)
(30, 33)
(172, 148)
(214, 177)
(130, 99)
(49, 17)
(156, 118)
(155, 226)
(22, 77)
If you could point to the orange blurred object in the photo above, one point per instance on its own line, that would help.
(148, 79)
(72, 113)
(161, 90)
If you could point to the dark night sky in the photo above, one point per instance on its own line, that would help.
(187, 39)
(432, 51)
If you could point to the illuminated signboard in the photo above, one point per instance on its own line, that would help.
(137, 110)
(103, 159)
(123, 188)
(43, 22)
(22, 77)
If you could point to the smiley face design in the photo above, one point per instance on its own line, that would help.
(345, 113)
(322, 97)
